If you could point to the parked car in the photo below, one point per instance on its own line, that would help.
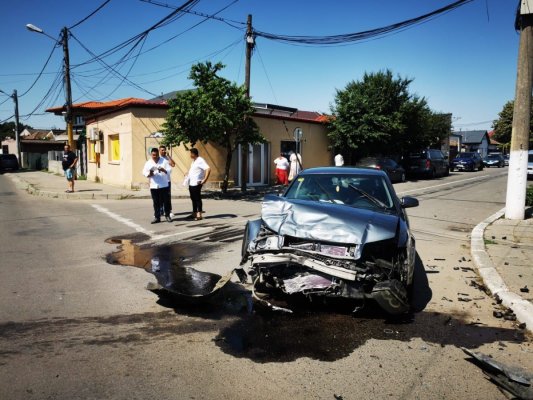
(494, 160)
(395, 171)
(506, 159)
(470, 161)
(335, 232)
(8, 162)
(530, 164)
(428, 163)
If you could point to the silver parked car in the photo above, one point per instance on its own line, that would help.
(335, 232)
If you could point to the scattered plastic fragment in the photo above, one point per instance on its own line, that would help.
(522, 325)
(497, 314)
(464, 299)
(525, 289)
(506, 263)
(456, 268)
(504, 237)
(439, 259)
(514, 380)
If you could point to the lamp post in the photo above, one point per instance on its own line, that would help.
(15, 98)
(68, 89)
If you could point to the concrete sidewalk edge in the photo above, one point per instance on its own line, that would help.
(523, 309)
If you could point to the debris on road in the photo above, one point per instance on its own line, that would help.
(525, 289)
(464, 299)
(510, 379)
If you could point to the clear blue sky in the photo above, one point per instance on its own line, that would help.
(463, 62)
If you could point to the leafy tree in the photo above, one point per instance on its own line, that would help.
(217, 111)
(7, 129)
(503, 126)
(378, 114)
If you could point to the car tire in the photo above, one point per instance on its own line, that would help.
(480, 168)
(447, 172)
(432, 174)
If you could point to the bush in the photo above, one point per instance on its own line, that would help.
(529, 196)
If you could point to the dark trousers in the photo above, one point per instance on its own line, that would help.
(169, 194)
(196, 198)
(161, 202)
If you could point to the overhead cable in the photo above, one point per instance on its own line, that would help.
(90, 15)
(41, 72)
(348, 38)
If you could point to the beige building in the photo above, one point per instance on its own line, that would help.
(119, 140)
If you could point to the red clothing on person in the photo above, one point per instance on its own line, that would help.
(282, 176)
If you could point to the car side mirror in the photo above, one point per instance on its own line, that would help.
(408, 202)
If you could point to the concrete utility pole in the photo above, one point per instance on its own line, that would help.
(68, 89)
(517, 175)
(250, 42)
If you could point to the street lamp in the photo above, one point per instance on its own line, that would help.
(68, 89)
(15, 98)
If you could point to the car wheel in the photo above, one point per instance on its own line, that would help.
(447, 172)
(480, 167)
(432, 174)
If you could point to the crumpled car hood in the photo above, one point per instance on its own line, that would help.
(326, 222)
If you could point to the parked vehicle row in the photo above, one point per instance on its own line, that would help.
(8, 162)
(470, 161)
(494, 160)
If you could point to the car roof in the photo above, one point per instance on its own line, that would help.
(342, 170)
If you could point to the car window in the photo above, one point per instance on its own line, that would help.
(436, 155)
(344, 189)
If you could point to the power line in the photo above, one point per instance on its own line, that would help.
(7, 119)
(90, 15)
(42, 70)
(350, 38)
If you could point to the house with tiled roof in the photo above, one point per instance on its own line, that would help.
(120, 134)
(474, 141)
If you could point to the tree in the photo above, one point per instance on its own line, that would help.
(379, 113)
(503, 126)
(7, 129)
(217, 111)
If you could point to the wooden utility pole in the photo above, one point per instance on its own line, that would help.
(517, 175)
(68, 89)
(250, 42)
(17, 129)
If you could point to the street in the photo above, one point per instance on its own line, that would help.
(74, 326)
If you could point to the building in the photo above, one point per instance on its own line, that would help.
(121, 133)
(474, 141)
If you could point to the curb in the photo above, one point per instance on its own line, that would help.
(523, 309)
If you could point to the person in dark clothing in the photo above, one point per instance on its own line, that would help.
(156, 169)
(69, 166)
(198, 175)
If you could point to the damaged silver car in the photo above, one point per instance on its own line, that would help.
(335, 232)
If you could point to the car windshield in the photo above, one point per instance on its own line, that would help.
(354, 190)
(465, 155)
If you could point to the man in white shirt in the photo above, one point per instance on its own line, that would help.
(282, 166)
(339, 160)
(198, 175)
(156, 170)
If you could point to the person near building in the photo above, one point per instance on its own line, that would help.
(156, 169)
(339, 160)
(69, 166)
(296, 165)
(282, 168)
(197, 177)
(164, 154)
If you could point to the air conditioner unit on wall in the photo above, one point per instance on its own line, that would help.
(93, 133)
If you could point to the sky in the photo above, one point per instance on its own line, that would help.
(463, 62)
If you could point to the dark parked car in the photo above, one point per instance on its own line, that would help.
(394, 170)
(335, 232)
(506, 159)
(467, 162)
(8, 162)
(494, 160)
(428, 163)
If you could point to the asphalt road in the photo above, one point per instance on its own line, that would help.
(73, 326)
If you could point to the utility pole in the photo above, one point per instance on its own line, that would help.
(517, 175)
(68, 89)
(17, 131)
(250, 43)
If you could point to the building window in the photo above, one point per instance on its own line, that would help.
(78, 120)
(114, 148)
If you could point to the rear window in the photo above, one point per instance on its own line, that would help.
(418, 156)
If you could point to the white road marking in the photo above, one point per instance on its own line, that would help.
(122, 220)
(443, 184)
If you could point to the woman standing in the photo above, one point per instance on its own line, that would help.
(296, 165)
(198, 175)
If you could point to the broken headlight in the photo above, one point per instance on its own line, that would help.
(267, 243)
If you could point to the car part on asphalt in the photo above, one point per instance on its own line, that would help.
(513, 380)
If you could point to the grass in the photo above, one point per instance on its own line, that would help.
(488, 241)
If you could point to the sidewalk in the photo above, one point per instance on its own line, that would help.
(45, 184)
(503, 253)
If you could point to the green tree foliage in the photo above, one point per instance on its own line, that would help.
(7, 129)
(503, 126)
(378, 115)
(217, 111)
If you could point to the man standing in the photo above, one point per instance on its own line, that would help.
(156, 170)
(163, 154)
(282, 165)
(339, 160)
(198, 175)
(69, 166)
